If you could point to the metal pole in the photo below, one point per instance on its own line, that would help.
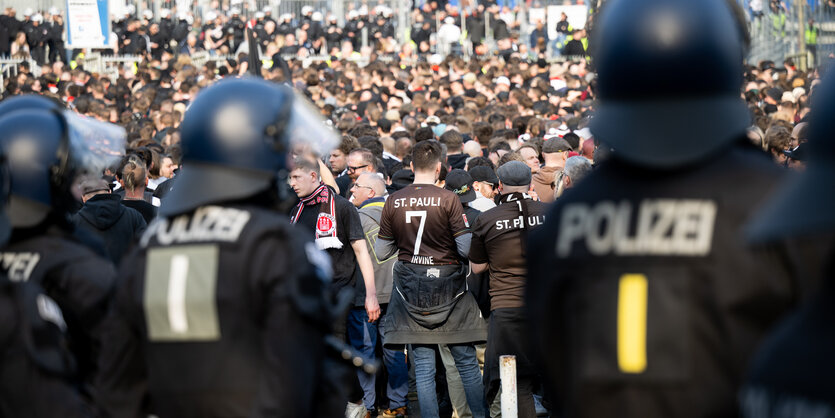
(488, 33)
(364, 38)
(801, 35)
(402, 17)
(523, 21)
(463, 42)
(507, 372)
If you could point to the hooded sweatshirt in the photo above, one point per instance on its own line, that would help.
(118, 226)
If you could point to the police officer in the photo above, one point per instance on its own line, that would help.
(221, 309)
(498, 246)
(643, 297)
(791, 376)
(35, 366)
(49, 150)
(55, 40)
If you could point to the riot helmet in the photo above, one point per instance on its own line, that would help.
(27, 101)
(238, 139)
(5, 187)
(50, 151)
(669, 79)
(806, 206)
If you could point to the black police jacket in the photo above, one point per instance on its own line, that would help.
(219, 312)
(644, 299)
(791, 375)
(35, 367)
(77, 279)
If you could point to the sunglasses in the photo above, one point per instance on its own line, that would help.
(352, 169)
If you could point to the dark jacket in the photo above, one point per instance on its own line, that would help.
(118, 226)
(431, 305)
(458, 161)
(146, 209)
(255, 307)
(36, 366)
(77, 279)
(709, 298)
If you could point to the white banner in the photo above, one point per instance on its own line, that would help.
(88, 24)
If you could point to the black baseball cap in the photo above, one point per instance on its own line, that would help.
(484, 174)
(461, 183)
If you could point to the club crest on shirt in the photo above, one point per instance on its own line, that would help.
(325, 225)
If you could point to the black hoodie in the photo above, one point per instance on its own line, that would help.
(118, 226)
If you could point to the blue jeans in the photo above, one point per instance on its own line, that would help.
(467, 365)
(362, 335)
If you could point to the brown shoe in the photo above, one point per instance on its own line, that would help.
(395, 413)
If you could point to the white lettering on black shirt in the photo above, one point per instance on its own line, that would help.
(19, 266)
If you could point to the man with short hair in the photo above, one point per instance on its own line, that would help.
(498, 246)
(337, 230)
(555, 153)
(530, 153)
(338, 162)
(106, 217)
(335, 223)
(425, 226)
(369, 193)
(454, 144)
(167, 167)
(576, 168)
(360, 160)
(485, 183)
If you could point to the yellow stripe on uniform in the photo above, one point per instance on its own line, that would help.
(632, 323)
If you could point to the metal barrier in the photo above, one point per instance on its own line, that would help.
(779, 34)
(9, 67)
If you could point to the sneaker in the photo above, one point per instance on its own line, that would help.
(395, 413)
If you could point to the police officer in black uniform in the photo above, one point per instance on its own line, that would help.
(221, 311)
(791, 375)
(49, 149)
(36, 369)
(644, 299)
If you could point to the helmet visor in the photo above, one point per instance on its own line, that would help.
(93, 146)
(306, 130)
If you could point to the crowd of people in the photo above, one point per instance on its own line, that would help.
(420, 182)
(367, 29)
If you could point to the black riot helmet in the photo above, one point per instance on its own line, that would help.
(806, 205)
(27, 101)
(5, 189)
(238, 138)
(669, 79)
(49, 152)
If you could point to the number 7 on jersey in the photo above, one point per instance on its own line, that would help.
(419, 214)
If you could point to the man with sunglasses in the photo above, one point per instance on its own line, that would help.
(360, 160)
